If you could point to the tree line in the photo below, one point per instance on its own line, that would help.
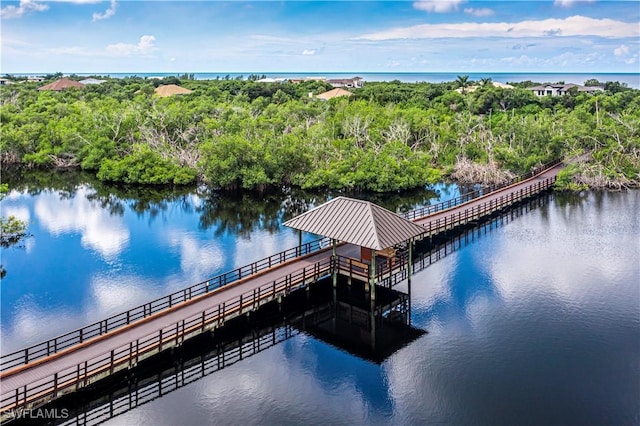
(388, 136)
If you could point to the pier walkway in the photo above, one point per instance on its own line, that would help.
(35, 375)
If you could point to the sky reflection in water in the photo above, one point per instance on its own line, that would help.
(534, 323)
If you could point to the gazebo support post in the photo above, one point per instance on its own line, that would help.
(372, 275)
(334, 257)
(372, 286)
(410, 264)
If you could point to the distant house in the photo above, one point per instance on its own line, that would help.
(4, 82)
(35, 79)
(92, 81)
(333, 93)
(562, 89)
(62, 84)
(170, 90)
(354, 83)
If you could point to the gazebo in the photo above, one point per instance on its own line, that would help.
(362, 223)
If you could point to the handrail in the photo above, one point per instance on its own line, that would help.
(464, 198)
(488, 207)
(129, 354)
(59, 343)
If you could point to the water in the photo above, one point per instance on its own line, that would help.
(535, 322)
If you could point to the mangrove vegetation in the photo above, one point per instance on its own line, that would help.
(236, 133)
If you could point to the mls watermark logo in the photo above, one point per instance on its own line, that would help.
(36, 413)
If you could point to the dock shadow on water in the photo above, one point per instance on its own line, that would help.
(343, 317)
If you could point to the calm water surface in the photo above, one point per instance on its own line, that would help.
(536, 322)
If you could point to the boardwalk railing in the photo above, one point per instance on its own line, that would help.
(464, 198)
(487, 208)
(139, 393)
(57, 344)
(129, 354)
(67, 340)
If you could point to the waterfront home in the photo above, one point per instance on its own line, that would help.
(354, 83)
(562, 89)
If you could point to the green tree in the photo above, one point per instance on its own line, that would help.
(463, 83)
(12, 229)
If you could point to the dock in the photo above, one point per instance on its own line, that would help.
(38, 374)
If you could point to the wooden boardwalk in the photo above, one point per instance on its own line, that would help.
(36, 375)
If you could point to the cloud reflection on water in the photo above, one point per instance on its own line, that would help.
(105, 233)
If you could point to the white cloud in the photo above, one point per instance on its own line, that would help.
(107, 13)
(479, 12)
(25, 6)
(438, 6)
(75, 1)
(309, 52)
(572, 26)
(144, 47)
(621, 51)
(569, 3)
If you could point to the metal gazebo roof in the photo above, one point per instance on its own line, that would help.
(357, 222)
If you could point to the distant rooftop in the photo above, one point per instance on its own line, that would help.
(62, 84)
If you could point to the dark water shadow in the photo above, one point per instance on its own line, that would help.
(301, 312)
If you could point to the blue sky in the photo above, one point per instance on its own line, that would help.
(87, 36)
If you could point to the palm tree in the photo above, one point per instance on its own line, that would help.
(485, 82)
(463, 82)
